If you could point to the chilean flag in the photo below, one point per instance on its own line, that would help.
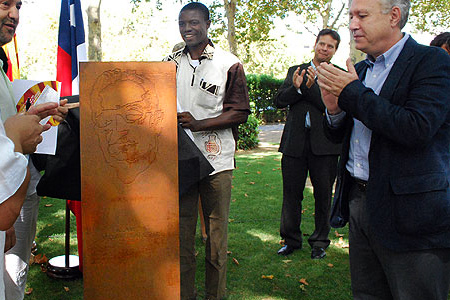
(71, 50)
(71, 47)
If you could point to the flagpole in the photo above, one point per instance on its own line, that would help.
(71, 40)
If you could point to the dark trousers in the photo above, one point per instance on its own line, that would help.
(322, 172)
(378, 273)
(215, 196)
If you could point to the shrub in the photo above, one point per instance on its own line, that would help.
(262, 90)
(248, 134)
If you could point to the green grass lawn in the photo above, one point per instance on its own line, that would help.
(253, 243)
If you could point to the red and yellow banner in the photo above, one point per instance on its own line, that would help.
(13, 59)
(31, 96)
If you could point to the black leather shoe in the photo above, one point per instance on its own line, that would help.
(286, 250)
(318, 253)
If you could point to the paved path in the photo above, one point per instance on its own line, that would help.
(270, 136)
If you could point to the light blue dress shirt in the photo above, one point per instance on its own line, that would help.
(377, 72)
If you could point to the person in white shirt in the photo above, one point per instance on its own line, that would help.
(16, 259)
(19, 135)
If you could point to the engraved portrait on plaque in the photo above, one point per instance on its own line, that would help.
(114, 125)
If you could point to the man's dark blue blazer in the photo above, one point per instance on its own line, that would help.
(408, 193)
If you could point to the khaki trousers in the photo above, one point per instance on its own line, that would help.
(215, 195)
(17, 258)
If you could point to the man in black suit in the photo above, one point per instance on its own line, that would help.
(305, 148)
(392, 112)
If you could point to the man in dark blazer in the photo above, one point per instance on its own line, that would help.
(306, 149)
(393, 113)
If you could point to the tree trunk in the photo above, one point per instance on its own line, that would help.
(355, 54)
(95, 32)
(230, 11)
(326, 16)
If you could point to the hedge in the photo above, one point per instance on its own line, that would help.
(261, 90)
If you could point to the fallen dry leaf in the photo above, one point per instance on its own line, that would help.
(267, 277)
(245, 172)
(302, 287)
(337, 234)
(31, 261)
(274, 169)
(281, 242)
(330, 265)
(251, 182)
(288, 275)
(230, 220)
(43, 268)
(286, 261)
(48, 205)
(235, 261)
(342, 244)
(40, 259)
(29, 291)
(66, 289)
(259, 172)
(229, 252)
(303, 281)
(246, 195)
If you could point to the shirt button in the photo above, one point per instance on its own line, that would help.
(358, 165)
(374, 76)
(357, 141)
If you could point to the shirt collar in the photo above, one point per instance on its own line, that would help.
(207, 53)
(389, 57)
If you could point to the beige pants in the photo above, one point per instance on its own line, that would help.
(215, 195)
(17, 258)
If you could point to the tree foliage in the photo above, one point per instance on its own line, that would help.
(432, 16)
(250, 21)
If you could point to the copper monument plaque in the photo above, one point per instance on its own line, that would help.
(129, 184)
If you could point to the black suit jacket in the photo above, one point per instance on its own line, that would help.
(408, 193)
(294, 134)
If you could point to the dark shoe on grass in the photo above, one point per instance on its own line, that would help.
(286, 250)
(318, 253)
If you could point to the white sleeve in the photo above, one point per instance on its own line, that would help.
(13, 167)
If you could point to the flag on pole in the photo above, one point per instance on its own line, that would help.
(71, 46)
(13, 59)
(71, 50)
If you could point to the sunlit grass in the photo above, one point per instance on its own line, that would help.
(253, 242)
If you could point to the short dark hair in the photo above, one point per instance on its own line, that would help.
(197, 6)
(441, 39)
(330, 32)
